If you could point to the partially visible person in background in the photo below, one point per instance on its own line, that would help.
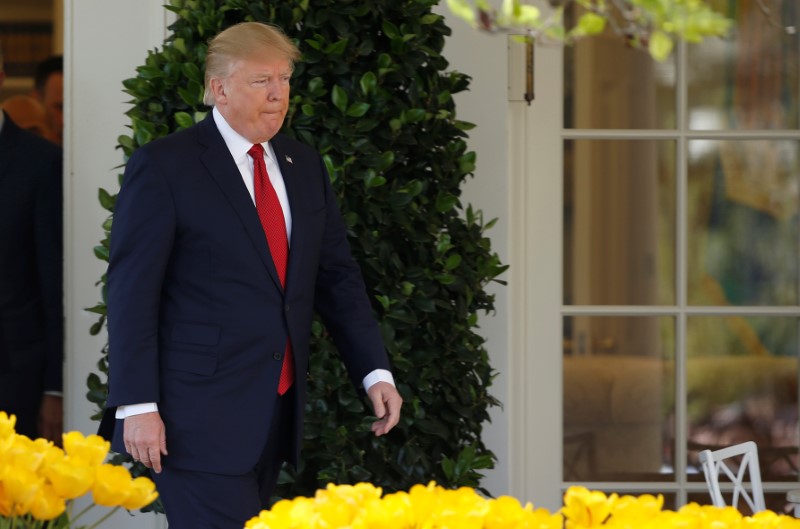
(31, 283)
(49, 89)
(29, 114)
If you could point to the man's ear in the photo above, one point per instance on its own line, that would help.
(218, 89)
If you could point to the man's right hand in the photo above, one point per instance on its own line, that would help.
(145, 439)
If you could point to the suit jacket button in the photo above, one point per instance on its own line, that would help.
(277, 356)
(286, 308)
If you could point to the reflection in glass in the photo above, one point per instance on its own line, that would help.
(742, 386)
(750, 80)
(619, 222)
(610, 85)
(743, 222)
(618, 398)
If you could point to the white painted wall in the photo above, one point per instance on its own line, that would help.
(484, 58)
(104, 42)
(98, 56)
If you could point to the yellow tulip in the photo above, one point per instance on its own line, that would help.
(26, 453)
(333, 511)
(505, 512)
(430, 506)
(21, 487)
(143, 493)
(338, 505)
(694, 516)
(7, 424)
(423, 501)
(52, 455)
(112, 486)
(584, 508)
(5, 445)
(92, 449)
(303, 515)
(71, 478)
(392, 512)
(770, 520)
(684, 519)
(267, 520)
(5, 501)
(632, 512)
(542, 519)
(298, 513)
(47, 505)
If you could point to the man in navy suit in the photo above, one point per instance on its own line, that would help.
(203, 319)
(31, 304)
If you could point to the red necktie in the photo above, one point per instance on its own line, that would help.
(269, 211)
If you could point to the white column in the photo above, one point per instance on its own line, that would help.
(104, 42)
(484, 58)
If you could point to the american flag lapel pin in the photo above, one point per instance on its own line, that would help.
(288, 158)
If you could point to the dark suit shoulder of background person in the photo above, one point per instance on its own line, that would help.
(31, 283)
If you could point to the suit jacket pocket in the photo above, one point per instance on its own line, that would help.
(192, 362)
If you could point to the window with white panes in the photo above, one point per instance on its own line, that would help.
(681, 257)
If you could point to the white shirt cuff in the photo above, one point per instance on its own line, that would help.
(135, 409)
(379, 375)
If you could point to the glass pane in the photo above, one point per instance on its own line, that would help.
(700, 498)
(742, 226)
(618, 398)
(609, 85)
(741, 377)
(750, 80)
(619, 222)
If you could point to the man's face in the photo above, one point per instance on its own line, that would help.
(254, 98)
(53, 100)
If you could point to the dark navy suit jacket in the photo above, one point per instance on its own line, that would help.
(31, 305)
(197, 318)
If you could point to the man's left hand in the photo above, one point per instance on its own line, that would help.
(51, 418)
(386, 403)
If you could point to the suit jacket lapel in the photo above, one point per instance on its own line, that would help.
(220, 165)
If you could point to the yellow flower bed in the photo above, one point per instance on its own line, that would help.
(39, 480)
(363, 506)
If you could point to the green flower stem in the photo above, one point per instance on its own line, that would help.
(84, 511)
(104, 518)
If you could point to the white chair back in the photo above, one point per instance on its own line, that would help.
(714, 463)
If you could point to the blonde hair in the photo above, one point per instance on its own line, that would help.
(243, 41)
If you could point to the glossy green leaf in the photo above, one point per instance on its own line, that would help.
(339, 98)
(356, 110)
(183, 119)
(106, 200)
(368, 83)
